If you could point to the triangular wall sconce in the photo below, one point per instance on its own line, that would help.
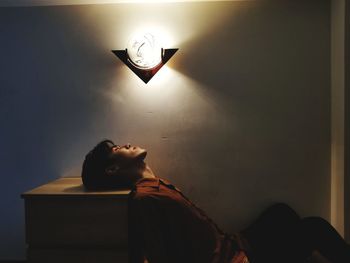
(144, 55)
(145, 73)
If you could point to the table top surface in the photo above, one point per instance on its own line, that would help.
(72, 186)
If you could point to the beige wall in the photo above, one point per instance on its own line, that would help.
(239, 119)
(338, 99)
(347, 123)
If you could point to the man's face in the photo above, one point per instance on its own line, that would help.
(127, 154)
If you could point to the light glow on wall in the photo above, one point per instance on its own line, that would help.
(160, 35)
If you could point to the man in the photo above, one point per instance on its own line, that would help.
(166, 227)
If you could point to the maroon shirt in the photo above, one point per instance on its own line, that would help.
(166, 227)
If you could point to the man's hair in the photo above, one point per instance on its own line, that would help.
(94, 174)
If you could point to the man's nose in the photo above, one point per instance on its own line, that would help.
(127, 146)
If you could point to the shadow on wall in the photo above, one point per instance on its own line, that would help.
(49, 105)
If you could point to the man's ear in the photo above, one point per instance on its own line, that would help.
(112, 170)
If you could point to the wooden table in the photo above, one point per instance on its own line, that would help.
(66, 223)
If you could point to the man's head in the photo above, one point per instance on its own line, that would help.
(110, 166)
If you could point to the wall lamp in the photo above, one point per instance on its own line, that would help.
(144, 55)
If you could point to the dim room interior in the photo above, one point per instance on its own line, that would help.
(250, 110)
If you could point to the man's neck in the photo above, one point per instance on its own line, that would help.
(147, 172)
(142, 171)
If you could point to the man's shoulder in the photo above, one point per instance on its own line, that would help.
(152, 189)
(148, 182)
(143, 200)
(137, 195)
(144, 189)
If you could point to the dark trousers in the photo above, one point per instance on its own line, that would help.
(280, 235)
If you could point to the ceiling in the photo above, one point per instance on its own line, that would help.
(9, 3)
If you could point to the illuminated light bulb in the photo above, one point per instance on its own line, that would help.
(144, 55)
(144, 51)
